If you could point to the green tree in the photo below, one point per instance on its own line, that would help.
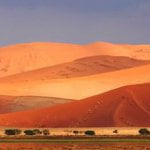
(89, 132)
(13, 131)
(29, 132)
(144, 131)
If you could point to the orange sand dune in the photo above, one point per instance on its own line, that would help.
(126, 106)
(10, 104)
(77, 88)
(25, 57)
(140, 51)
(80, 67)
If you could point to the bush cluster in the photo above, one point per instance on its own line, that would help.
(13, 132)
(144, 131)
(26, 132)
(89, 132)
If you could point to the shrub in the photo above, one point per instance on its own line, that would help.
(13, 131)
(46, 132)
(29, 132)
(37, 131)
(144, 131)
(89, 132)
(33, 132)
(115, 131)
(76, 132)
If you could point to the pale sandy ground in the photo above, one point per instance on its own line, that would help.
(98, 131)
(78, 88)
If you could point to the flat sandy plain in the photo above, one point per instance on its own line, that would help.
(108, 131)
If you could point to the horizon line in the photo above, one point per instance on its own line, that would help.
(71, 43)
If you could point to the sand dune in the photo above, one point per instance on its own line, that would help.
(10, 104)
(80, 67)
(25, 57)
(140, 51)
(126, 106)
(77, 88)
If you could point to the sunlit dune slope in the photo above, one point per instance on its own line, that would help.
(20, 103)
(25, 57)
(80, 67)
(126, 106)
(77, 88)
(140, 51)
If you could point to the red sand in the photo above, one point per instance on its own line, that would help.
(9, 104)
(126, 106)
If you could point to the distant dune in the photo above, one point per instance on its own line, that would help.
(126, 106)
(77, 68)
(80, 87)
(25, 57)
(10, 104)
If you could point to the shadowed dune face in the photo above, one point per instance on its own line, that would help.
(10, 104)
(80, 67)
(126, 106)
(38, 55)
(78, 88)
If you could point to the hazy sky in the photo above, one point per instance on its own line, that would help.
(74, 21)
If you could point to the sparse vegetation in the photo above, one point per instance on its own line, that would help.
(89, 132)
(144, 131)
(13, 132)
(76, 132)
(33, 132)
(115, 131)
(46, 132)
(37, 131)
(29, 132)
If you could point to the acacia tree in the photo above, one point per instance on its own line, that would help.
(13, 131)
(29, 132)
(144, 131)
(89, 132)
(33, 132)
